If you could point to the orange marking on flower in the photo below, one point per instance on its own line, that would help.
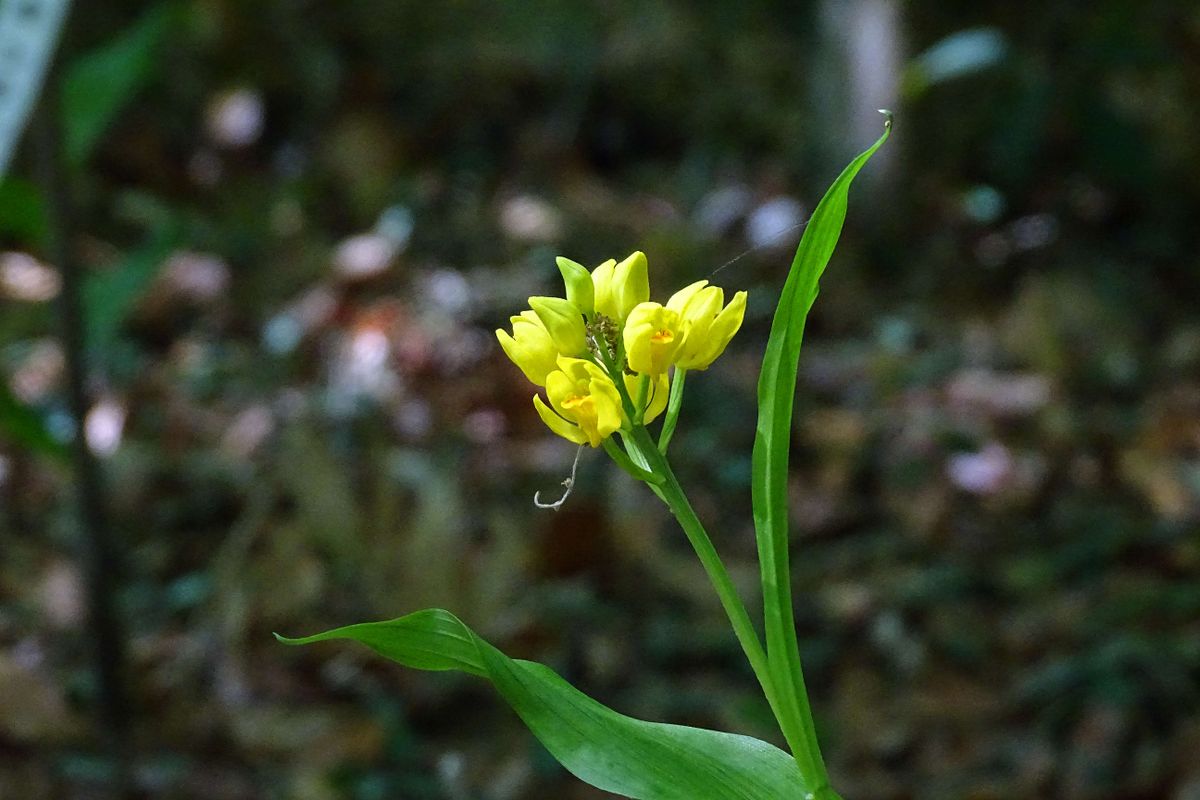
(663, 336)
(574, 401)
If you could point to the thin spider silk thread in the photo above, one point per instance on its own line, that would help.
(774, 239)
(771, 241)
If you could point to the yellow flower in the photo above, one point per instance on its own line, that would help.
(563, 321)
(652, 334)
(707, 328)
(657, 393)
(585, 406)
(617, 288)
(530, 347)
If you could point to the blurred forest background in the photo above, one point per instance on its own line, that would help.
(301, 223)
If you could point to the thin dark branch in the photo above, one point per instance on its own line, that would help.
(97, 549)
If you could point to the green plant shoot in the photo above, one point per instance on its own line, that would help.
(611, 362)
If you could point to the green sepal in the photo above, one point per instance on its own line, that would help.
(578, 282)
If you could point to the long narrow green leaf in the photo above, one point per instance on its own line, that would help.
(97, 84)
(776, 392)
(615, 753)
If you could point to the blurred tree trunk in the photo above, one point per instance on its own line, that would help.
(97, 550)
(863, 38)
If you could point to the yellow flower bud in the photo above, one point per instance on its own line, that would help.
(578, 282)
(530, 347)
(652, 334)
(679, 300)
(585, 406)
(602, 280)
(707, 328)
(620, 287)
(564, 322)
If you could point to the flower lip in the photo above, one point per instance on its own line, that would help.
(652, 336)
(585, 406)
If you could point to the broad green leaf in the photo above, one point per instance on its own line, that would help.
(97, 84)
(776, 393)
(24, 426)
(109, 296)
(615, 753)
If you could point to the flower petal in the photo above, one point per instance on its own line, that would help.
(680, 299)
(557, 424)
(602, 285)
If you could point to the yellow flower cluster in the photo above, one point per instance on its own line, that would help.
(607, 329)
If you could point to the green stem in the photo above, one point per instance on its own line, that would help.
(640, 406)
(613, 364)
(626, 463)
(673, 495)
(783, 687)
(673, 405)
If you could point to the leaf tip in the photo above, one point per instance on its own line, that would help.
(888, 116)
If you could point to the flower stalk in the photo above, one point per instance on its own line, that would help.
(673, 406)
(611, 361)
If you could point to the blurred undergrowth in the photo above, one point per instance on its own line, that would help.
(995, 475)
